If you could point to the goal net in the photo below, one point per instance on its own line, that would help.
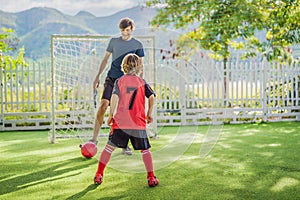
(75, 61)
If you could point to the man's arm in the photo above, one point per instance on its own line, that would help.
(141, 73)
(101, 69)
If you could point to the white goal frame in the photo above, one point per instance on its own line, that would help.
(75, 60)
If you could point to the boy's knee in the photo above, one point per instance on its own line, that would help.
(145, 151)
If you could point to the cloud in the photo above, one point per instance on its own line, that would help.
(71, 7)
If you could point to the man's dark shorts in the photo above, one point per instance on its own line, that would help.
(108, 88)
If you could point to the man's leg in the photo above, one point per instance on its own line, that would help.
(99, 118)
(127, 151)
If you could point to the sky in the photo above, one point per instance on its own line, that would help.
(71, 7)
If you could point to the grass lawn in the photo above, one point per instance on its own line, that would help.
(249, 161)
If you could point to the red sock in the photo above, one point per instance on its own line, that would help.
(147, 158)
(104, 158)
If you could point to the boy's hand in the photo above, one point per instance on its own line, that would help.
(149, 119)
(110, 121)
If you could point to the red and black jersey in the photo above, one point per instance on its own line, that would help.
(130, 113)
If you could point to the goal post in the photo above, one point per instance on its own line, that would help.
(75, 61)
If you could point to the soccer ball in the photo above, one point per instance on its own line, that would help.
(88, 149)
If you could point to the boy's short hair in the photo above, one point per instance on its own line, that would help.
(126, 22)
(131, 63)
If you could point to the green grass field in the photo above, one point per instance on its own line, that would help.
(249, 161)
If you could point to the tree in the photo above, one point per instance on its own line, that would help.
(8, 46)
(219, 25)
(281, 23)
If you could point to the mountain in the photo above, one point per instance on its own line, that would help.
(85, 15)
(35, 26)
(141, 16)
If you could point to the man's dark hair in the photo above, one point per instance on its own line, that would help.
(126, 22)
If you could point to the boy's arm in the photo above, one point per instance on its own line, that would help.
(113, 103)
(150, 109)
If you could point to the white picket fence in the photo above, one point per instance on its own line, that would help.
(25, 97)
(188, 93)
(254, 91)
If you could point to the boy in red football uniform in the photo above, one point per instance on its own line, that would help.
(129, 120)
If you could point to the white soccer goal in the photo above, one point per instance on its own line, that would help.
(75, 61)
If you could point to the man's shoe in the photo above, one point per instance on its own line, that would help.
(153, 181)
(98, 179)
(95, 142)
(127, 151)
